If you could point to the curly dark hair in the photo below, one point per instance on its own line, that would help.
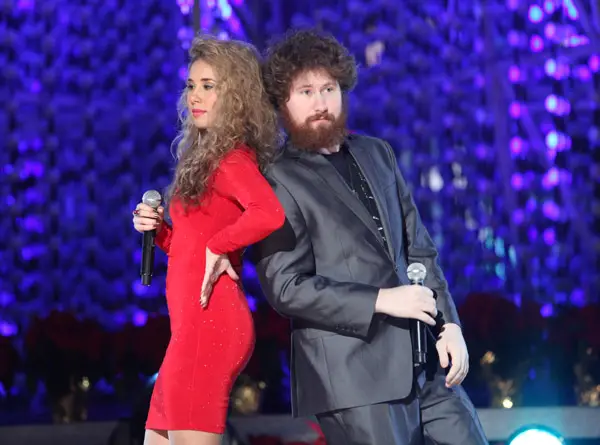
(303, 50)
(245, 116)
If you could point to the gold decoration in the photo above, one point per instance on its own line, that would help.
(505, 392)
(488, 358)
(587, 387)
(507, 403)
(72, 406)
(246, 396)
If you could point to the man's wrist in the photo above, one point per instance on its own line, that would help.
(452, 326)
(381, 301)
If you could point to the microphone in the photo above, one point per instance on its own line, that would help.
(416, 274)
(153, 199)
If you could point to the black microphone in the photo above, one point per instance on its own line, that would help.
(416, 274)
(153, 199)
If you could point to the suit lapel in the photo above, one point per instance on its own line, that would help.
(322, 169)
(363, 158)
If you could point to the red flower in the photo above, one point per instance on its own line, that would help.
(566, 329)
(590, 332)
(479, 315)
(149, 343)
(269, 325)
(66, 333)
(60, 347)
(9, 360)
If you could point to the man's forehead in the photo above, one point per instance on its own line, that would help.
(313, 77)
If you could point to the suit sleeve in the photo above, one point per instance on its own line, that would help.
(239, 179)
(421, 248)
(163, 237)
(287, 273)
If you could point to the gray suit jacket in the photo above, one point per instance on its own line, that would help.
(324, 268)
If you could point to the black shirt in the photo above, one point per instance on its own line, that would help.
(346, 165)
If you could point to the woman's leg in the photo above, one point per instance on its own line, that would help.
(188, 437)
(156, 437)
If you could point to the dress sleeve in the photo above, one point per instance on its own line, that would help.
(238, 178)
(163, 237)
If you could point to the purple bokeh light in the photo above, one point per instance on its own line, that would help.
(557, 105)
(556, 141)
(583, 73)
(549, 6)
(552, 140)
(512, 5)
(252, 302)
(551, 210)
(8, 329)
(515, 110)
(574, 41)
(25, 5)
(549, 236)
(33, 224)
(6, 299)
(570, 9)
(185, 6)
(139, 289)
(550, 30)
(140, 318)
(516, 145)
(550, 67)
(518, 216)
(513, 37)
(532, 233)
(551, 103)
(225, 9)
(535, 14)
(551, 178)
(577, 297)
(514, 74)
(594, 62)
(36, 86)
(536, 43)
(481, 151)
(517, 181)
(547, 310)
(235, 24)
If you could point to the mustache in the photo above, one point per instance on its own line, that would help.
(321, 116)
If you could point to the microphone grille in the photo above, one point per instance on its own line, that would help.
(416, 272)
(152, 198)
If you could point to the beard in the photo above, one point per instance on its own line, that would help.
(327, 134)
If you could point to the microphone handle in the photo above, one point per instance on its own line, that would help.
(419, 336)
(147, 267)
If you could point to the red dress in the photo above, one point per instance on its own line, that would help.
(210, 347)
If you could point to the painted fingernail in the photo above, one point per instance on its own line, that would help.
(136, 212)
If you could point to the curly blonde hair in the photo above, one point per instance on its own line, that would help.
(245, 116)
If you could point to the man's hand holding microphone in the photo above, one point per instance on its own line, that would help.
(417, 302)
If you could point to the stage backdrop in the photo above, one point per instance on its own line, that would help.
(491, 108)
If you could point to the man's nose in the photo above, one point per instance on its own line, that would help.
(320, 104)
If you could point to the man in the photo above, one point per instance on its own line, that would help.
(338, 268)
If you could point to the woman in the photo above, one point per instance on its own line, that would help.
(219, 204)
